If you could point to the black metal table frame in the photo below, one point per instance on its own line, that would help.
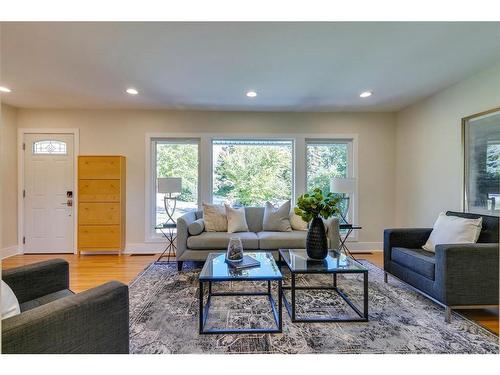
(171, 237)
(350, 228)
(204, 308)
(291, 307)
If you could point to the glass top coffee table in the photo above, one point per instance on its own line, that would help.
(297, 262)
(216, 270)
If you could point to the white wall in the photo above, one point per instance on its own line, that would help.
(8, 178)
(429, 167)
(123, 132)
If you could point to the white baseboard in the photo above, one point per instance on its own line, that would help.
(158, 247)
(144, 248)
(365, 246)
(9, 251)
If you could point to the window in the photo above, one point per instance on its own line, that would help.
(49, 147)
(175, 158)
(326, 159)
(482, 163)
(251, 172)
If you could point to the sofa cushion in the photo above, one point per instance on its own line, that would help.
(453, 230)
(277, 218)
(214, 217)
(220, 240)
(418, 260)
(282, 240)
(28, 305)
(196, 227)
(255, 217)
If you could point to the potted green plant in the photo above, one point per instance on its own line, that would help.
(313, 208)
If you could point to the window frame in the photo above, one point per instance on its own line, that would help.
(205, 165)
(465, 156)
(151, 234)
(351, 172)
(262, 139)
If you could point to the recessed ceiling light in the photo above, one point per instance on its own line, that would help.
(251, 94)
(4, 89)
(365, 94)
(132, 91)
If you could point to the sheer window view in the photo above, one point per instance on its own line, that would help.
(177, 158)
(251, 172)
(483, 164)
(325, 160)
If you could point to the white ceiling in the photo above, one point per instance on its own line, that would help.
(292, 66)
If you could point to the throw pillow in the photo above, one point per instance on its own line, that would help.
(297, 222)
(236, 219)
(453, 230)
(214, 217)
(277, 219)
(10, 304)
(196, 227)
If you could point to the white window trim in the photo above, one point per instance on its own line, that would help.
(352, 149)
(205, 166)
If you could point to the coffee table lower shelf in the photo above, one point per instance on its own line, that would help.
(291, 306)
(204, 309)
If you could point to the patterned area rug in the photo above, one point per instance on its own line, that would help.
(164, 318)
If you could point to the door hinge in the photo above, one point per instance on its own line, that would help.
(24, 240)
(24, 193)
(24, 146)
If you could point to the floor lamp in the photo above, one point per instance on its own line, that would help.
(346, 187)
(169, 186)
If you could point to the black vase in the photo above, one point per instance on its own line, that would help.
(316, 243)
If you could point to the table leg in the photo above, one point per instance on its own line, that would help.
(334, 280)
(201, 319)
(269, 287)
(365, 297)
(280, 305)
(293, 296)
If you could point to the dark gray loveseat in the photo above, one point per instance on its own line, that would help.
(55, 320)
(456, 275)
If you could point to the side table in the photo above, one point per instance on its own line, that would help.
(169, 232)
(349, 228)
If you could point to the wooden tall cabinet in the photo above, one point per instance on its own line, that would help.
(101, 203)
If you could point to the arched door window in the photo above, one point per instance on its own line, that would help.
(49, 147)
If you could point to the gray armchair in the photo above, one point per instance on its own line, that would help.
(55, 320)
(456, 275)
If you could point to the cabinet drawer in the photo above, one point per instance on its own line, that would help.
(99, 237)
(98, 213)
(99, 167)
(99, 190)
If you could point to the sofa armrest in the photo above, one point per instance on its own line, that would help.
(467, 274)
(333, 232)
(403, 237)
(38, 279)
(94, 321)
(182, 232)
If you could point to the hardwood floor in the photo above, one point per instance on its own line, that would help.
(88, 271)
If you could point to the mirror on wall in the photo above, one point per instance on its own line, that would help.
(482, 162)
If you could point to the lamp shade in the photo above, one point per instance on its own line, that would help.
(169, 185)
(342, 185)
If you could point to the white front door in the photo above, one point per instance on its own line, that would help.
(48, 193)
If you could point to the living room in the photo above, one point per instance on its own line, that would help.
(178, 143)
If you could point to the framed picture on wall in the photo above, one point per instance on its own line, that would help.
(481, 141)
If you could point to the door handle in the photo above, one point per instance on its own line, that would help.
(68, 203)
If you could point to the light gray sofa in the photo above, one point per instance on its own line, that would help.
(197, 247)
